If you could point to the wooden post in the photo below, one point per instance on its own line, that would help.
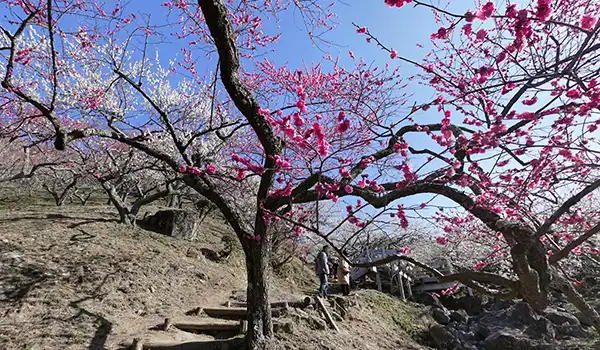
(137, 344)
(378, 279)
(402, 287)
(470, 291)
(229, 303)
(327, 315)
(243, 326)
(167, 324)
(408, 287)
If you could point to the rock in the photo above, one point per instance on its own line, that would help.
(317, 323)
(426, 299)
(583, 319)
(449, 302)
(283, 327)
(503, 340)
(519, 316)
(572, 330)
(542, 328)
(472, 305)
(181, 224)
(443, 338)
(502, 305)
(522, 313)
(441, 316)
(559, 317)
(459, 316)
(193, 253)
(466, 337)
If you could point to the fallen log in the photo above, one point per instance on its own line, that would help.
(207, 327)
(236, 313)
(300, 303)
(195, 345)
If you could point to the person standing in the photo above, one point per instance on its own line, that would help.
(343, 273)
(322, 270)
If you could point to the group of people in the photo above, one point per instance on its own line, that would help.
(323, 270)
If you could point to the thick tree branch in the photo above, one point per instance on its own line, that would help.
(223, 33)
(563, 253)
(566, 205)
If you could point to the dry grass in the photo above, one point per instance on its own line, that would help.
(73, 278)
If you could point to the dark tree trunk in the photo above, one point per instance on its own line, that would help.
(84, 198)
(59, 198)
(260, 325)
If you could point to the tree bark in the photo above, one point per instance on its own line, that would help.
(260, 325)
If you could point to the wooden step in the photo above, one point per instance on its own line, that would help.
(203, 327)
(235, 313)
(139, 344)
(299, 303)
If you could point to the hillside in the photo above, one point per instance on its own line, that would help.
(73, 278)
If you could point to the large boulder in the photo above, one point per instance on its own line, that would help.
(541, 328)
(473, 305)
(503, 340)
(440, 315)
(518, 316)
(522, 313)
(571, 330)
(443, 337)
(459, 316)
(501, 305)
(181, 224)
(559, 317)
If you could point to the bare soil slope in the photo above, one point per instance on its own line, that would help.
(73, 278)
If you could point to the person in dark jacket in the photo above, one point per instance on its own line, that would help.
(322, 270)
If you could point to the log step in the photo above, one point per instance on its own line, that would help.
(194, 345)
(207, 327)
(235, 313)
(300, 303)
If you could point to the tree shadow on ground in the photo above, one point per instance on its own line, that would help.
(17, 286)
(86, 220)
(102, 324)
(18, 277)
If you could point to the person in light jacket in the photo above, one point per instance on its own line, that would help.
(343, 273)
(322, 270)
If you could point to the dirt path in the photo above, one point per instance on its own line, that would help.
(74, 279)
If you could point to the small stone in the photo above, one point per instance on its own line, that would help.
(283, 327)
(152, 289)
(192, 253)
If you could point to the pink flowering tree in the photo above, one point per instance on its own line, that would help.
(514, 122)
(517, 97)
